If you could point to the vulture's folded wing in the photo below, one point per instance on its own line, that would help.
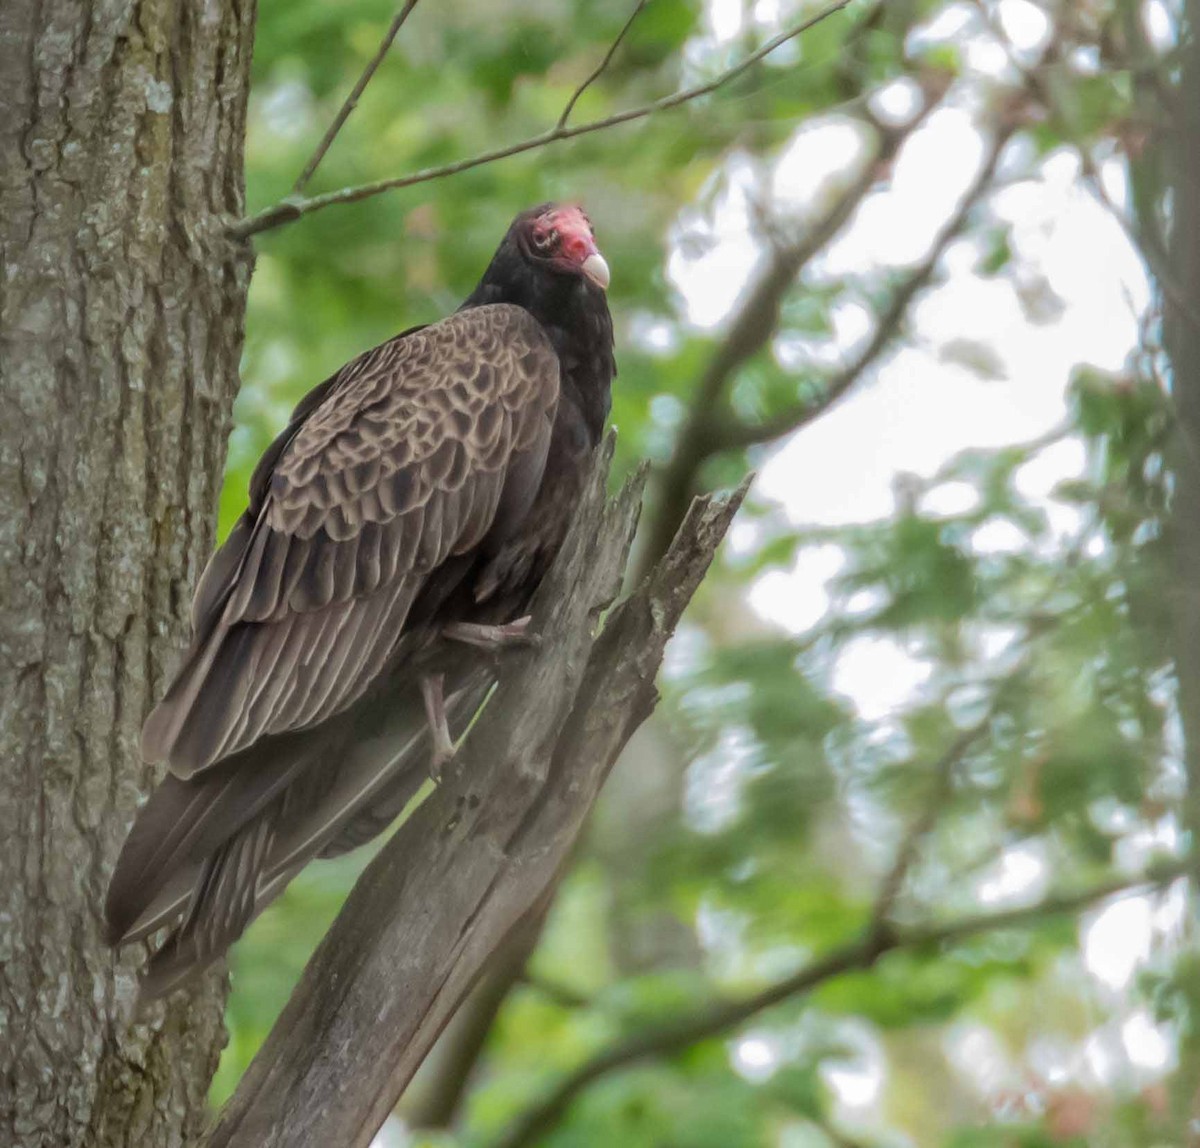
(405, 459)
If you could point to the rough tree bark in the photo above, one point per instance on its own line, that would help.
(121, 311)
(478, 857)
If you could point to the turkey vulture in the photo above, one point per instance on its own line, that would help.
(404, 517)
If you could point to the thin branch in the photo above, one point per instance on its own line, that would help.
(835, 1137)
(596, 74)
(750, 331)
(535, 1122)
(562, 995)
(293, 208)
(943, 776)
(939, 794)
(1154, 258)
(352, 99)
(740, 435)
(1148, 244)
(1180, 157)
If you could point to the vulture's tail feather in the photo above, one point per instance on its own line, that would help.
(207, 855)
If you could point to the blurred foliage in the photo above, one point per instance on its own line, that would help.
(778, 803)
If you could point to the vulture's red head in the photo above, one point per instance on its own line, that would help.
(549, 263)
(559, 237)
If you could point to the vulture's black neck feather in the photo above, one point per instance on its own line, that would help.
(574, 314)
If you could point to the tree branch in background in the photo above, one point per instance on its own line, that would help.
(562, 995)
(288, 210)
(738, 435)
(599, 69)
(1141, 233)
(352, 99)
(834, 1135)
(941, 785)
(943, 770)
(476, 858)
(711, 428)
(434, 1098)
(752, 328)
(1142, 242)
(674, 1036)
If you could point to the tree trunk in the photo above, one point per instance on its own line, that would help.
(121, 311)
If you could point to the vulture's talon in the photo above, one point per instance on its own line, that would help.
(494, 638)
(439, 730)
(439, 762)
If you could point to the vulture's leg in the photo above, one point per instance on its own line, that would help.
(439, 729)
(492, 638)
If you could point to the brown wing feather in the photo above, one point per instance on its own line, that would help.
(401, 466)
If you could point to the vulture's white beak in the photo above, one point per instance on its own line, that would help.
(596, 269)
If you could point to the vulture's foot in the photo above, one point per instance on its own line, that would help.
(493, 638)
(439, 730)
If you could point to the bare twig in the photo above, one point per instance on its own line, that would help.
(352, 99)
(1148, 249)
(529, 1127)
(293, 208)
(599, 70)
(700, 436)
(922, 826)
(562, 995)
(739, 435)
(711, 429)
(1147, 243)
(941, 784)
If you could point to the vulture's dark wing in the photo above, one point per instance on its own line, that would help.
(408, 458)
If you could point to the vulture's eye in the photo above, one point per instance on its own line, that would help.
(544, 240)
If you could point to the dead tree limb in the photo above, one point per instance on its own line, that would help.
(479, 855)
